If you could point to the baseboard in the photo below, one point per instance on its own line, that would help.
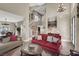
(67, 40)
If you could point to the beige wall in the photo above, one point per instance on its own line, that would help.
(77, 27)
(64, 27)
(77, 32)
(16, 8)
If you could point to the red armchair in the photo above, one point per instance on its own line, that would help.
(51, 47)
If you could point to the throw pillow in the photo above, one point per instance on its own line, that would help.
(49, 39)
(55, 39)
(39, 37)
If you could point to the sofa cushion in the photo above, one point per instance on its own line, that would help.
(50, 39)
(44, 36)
(39, 37)
(55, 40)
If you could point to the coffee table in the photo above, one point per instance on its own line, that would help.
(31, 50)
(25, 53)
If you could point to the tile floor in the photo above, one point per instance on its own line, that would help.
(66, 46)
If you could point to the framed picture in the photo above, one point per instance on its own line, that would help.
(52, 22)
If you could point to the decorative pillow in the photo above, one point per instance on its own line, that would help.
(55, 39)
(39, 37)
(49, 39)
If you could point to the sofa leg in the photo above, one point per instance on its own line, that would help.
(57, 54)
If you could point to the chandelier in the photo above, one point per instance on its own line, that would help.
(61, 8)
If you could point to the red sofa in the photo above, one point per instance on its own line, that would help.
(51, 47)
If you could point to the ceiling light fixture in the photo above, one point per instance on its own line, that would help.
(61, 8)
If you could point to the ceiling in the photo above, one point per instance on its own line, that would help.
(16, 8)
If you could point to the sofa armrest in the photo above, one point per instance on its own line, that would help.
(59, 41)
